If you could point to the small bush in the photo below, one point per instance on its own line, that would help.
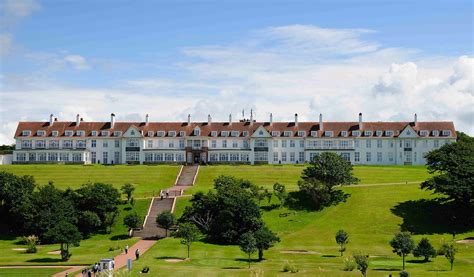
(404, 273)
(31, 243)
(349, 264)
(113, 248)
(290, 267)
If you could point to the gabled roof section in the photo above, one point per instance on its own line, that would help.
(261, 132)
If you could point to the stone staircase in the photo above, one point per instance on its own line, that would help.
(187, 176)
(150, 230)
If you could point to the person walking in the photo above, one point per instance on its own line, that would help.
(167, 193)
(126, 249)
(161, 195)
(137, 254)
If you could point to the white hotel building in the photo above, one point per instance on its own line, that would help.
(245, 141)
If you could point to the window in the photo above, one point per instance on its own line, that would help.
(171, 144)
(119, 134)
(356, 143)
(283, 143)
(93, 157)
(346, 156)
(327, 144)
(275, 134)
(344, 144)
(446, 133)
(40, 144)
(160, 144)
(245, 133)
(435, 143)
(64, 157)
(275, 156)
(94, 133)
(21, 157)
(275, 143)
(287, 133)
(314, 133)
(356, 133)
(301, 143)
(54, 144)
(117, 143)
(213, 157)
(283, 156)
(225, 133)
(213, 143)
(158, 157)
(357, 156)
(81, 144)
(389, 133)
(179, 157)
(26, 133)
(150, 133)
(312, 156)
(150, 143)
(435, 133)
(93, 143)
(160, 133)
(105, 157)
(234, 133)
(104, 133)
(214, 133)
(368, 156)
(261, 156)
(235, 144)
(391, 144)
(292, 143)
(344, 133)
(32, 157)
(328, 133)
(368, 133)
(69, 133)
(301, 157)
(223, 157)
(379, 156)
(169, 157)
(81, 133)
(244, 157)
(378, 133)
(132, 143)
(182, 133)
(181, 143)
(67, 144)
(55, 133)
(246, 144)
(379, 143)
(148, 157)
(292, 156)
(172, 133)
(368, 143)
(52, 157)
(117, 157)
(390, 156)
(301, 133)
(261, 143)
(41, 133)
(234, 157)
(105, 143)
(407, 143)
(423, 133)
(224, 144)
(133, 156)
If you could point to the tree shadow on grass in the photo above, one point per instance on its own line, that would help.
(299, 200)
(45, 260)
(270, 207)
(329, 256)
(386, 269)
(432, 216)
(119, 237)
(418, 261)
(169, 257)
(247, 260)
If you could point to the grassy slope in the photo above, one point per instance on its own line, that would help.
(147, 179)
(367, 216)
(89, 251)
(29, 272)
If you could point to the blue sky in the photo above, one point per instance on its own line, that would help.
(387, 59)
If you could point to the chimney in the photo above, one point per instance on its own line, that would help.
(112, 120)
(147, 119)
(296, 119)
(360, 121)
(51, 119)
(78, 120)
(209, 119)
(320, 121)
(230, 119)
(189, 119)
(271, 119)
(251, 117)
(415, 120)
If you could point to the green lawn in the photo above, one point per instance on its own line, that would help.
(267, 175)
(366, 216)
(147, 179)
(30, 272)
(90, 250)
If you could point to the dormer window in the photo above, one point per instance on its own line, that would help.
(214, 133)
(94, 133)
(301, 133)
(275, 133)
(328, 133)
(55, 133)
(344, 133)
(446, 133)
(182, 133)
(104, 133)
(41, 133)
(117, 133)
(245, 133)
(81, 133)
(287, 133)
(225, 133)
(234, 133)
(172, 133)
(389, 133)
(424, 133)
(197, 131)
(435, 133)
(314, 133)
(26, 133)
(69, 133)
(356, 133)
(368, 133)
(378, 133)
(150, 133)
(160, 133)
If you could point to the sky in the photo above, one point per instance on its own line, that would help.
(386, 59)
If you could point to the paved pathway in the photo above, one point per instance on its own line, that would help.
(143, 245)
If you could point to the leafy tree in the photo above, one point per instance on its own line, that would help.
(424, 249)
(454, 168)
(280, 191)
(65, 234)
(362, 262)
(342, 238)
(264, 239)
(88, 222)
(325, 171)
(109, 220)
(248, 244)
(450, 254)
(166, 220)
(132, 220)
(268, 195)
(402, 244)
(31, 242)
(128, 190)
(188, 233)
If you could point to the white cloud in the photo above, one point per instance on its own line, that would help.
(19, 8)
(76, 61)
(5, 44)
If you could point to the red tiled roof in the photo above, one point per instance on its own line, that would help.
(335, 127)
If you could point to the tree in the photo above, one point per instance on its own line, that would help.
(264, 239)
(268, 195)
(424, 249)
(342, 238)
(248, 244)
(402, 244)
(128, 190)
(362, 262)
(325, 171)
(166, 220)
(280, 191)
(188, 233)
(132, 220)
(65, 234)
(88, 222)
(450, 253)
(454, 168)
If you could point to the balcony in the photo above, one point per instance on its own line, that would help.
(332, 147)
(132, 148)
(260, 149)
